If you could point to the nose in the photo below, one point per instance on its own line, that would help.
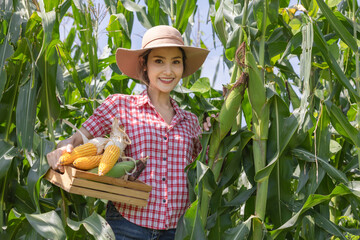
(168, 69)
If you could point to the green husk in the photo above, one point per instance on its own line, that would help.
(227, 115)
(119, 169)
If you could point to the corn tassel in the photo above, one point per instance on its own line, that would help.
(109, 158)
(87, 149)
(86, 163)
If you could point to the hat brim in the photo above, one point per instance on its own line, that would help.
(128, 60)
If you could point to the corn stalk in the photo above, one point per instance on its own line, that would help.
(357, 73)
(260, 109)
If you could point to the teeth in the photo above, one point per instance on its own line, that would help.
(166, 79)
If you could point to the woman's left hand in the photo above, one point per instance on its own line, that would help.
(207, 122)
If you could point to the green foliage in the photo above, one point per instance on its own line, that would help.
(295, 129)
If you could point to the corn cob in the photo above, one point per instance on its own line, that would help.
(227, 115)
(86, 163)
(109, 158)
(257, 91)
(119, 169)
(114, 148)
(87, 149)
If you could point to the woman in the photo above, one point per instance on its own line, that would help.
(157, 127)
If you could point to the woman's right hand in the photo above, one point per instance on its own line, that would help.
(66, 145)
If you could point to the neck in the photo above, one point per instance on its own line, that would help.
(159, 98)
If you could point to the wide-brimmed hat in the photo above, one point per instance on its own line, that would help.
(158, 37)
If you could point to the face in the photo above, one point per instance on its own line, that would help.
(165, 68)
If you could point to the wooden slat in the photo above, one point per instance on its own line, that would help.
(135, 193)
(61, 180)
(108, 196)
(110, 188)
(114, 181)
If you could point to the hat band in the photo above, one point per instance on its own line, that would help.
(168, 40)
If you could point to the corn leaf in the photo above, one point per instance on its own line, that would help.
(95, 225)
(327, 225)
(202, 85)
(6, 50)
(310, 157)
(331, 61)
(47, 65)
(189, 225)
(232, 44)
(165, 5)
(23, 201)
(258, 10)
(7, 154)
(143, 18)
(341, 124)
(26, 112)
(206, 176)
(184, 9)
(70, 66)
(273, 11)
(241, 198)
(219, 24)
(154, 10)
(241, 231)
(338, 26)
(38, 170)
(312, 200)
(48, 225)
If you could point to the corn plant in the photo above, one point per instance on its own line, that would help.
(281, 159)
(291, 176)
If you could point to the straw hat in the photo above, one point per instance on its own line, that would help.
(157, 37)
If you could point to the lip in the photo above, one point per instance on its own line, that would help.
(166, 80)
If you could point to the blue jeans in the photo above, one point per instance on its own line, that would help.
(126, 230)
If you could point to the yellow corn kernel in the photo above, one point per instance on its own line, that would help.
(87, 149)
(87, 163)
(109, 158)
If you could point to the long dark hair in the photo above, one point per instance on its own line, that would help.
(143, 59)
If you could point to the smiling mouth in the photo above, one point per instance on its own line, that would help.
(166, 80)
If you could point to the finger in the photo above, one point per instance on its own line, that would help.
(69, 148)
(61, 168)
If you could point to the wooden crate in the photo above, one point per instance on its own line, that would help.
(92, 185)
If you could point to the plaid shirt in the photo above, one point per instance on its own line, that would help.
(170, 148)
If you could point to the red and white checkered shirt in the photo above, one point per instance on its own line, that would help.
(170, 148)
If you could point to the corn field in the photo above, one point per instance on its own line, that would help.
(281, 160)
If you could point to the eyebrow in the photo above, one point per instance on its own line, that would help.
(165, 57)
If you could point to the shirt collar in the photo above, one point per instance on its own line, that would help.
(144, 99)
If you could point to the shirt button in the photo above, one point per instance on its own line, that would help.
(164, 158)
(164, 200)
(165, 138)
(163, 179)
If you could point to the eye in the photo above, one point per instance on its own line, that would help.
(158, 61)
(176, 61)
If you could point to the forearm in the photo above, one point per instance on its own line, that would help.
(76, 139)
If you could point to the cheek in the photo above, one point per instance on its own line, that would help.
(179, 70)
